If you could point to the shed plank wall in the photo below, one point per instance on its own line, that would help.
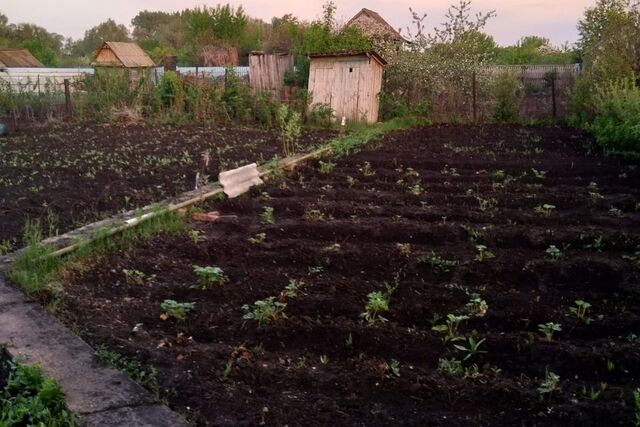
(353, 95)
(267, 72)
(106, 56)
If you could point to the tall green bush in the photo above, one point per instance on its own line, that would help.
(506, 96)
(616, 125)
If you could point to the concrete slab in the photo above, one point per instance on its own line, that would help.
(140, 416)
(10, 295)
(30, 333)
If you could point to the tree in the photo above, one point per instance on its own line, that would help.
(610, 48)
(94, 37)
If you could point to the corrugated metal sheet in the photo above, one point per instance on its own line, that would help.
(122, 54)
(18, 58)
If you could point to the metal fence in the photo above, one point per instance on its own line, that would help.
(43, 80)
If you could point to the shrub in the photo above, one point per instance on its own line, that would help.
(616, 125)
(28, 397)
(506, 93)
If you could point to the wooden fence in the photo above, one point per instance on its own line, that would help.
(267, 72)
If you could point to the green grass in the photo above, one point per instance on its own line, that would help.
(144, 375)
(361, 134)
(30, 398)
(36, 271)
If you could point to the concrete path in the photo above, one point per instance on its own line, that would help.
(101, 396)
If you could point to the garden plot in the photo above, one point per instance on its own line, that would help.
(70, 175)
(447, 276)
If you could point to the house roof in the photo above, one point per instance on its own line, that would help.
(129, 55)
(376, 16)
(370, 54)
(18, 58)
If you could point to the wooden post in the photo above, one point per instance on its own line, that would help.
(67, 99)
(155, 71)
(475, 98)
(553, 96)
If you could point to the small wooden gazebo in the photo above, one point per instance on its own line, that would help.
(123, 55)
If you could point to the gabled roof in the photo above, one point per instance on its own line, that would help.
(18, 58)
(127, 54)
(376, 16)
(370, 54)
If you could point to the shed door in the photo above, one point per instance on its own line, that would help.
(344, 98)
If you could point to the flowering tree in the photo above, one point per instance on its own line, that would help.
(436, 62)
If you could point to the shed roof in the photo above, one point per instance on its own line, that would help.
(370, 54)
(18, 58)
(377, 17)
(128, 54)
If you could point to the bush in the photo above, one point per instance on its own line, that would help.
(616, 125)
(321, 116)
(506, 93)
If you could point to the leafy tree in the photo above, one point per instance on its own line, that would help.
(94, 37)
(610, 48)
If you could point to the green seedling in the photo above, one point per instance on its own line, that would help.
(450, 327)
(417, 190)
(377, 302)
(267, 215)
(326, 167)
(636, 401)
(472, 348)
(489, 205)
(615, 212)
(439, 264)
(351, 181)
(483, 253)
(549, 385)
(258, 238)
(593, 393)
(209, 276)
(545, 210)
(226, 372)
(366, 169)
(539, 174)
(348, 343)
(293, 288)
(580, 311)
(196, 236)
(548, 329)
(265, 311)
(553, 253)
(597, 244)
(394, 367)
(476, 306)
(324, 359)
(175, 310)
(137, 277)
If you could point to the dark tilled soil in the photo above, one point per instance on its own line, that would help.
(377, 221)
(70, 175)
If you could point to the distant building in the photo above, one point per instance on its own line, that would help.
(18, 58)
(375, 27)
(348, 82)
(123, 56)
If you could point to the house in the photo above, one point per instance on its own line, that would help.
(375, 27)
(18, 58)
(117, 56)
(348, 82)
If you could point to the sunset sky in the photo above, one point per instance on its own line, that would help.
(555, 19)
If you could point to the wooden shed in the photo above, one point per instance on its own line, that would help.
(267, 71)
(18, 58)
(123, 57)
(348, 82)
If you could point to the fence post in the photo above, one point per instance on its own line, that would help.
(67, 98)
(155, 71)
(474, 89)
(553, 96)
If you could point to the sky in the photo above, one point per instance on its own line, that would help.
(554, 19)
